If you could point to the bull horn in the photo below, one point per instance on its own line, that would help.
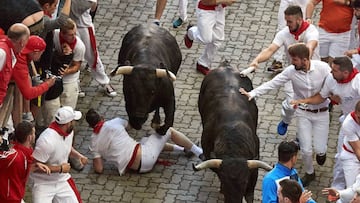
(212, 163)
(162, 73)
(258, 164)
(126, 70)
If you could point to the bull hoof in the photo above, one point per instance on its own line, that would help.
(162, 130)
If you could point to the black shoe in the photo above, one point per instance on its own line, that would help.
(275, 67)
(188, 153)
(306, 180)
(320, 159)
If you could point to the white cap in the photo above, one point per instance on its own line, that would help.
(66, 114)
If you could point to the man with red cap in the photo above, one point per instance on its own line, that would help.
(32, 52)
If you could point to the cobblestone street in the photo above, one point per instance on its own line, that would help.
(250, 27)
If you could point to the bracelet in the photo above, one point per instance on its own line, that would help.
(61, 169)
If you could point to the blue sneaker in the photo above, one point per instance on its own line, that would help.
(177, 23)
(282, 128)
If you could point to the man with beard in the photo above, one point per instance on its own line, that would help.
(297, 30)
(16, 164)
(343, 87)
(307, 77)
(53, 148)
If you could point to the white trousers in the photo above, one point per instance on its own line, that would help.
(338, 172)
(210, 32)
(312, 132)
(151, 147)
(68, 97)
(99, 72)
(333, 44)
(351, 169)
(60, 192)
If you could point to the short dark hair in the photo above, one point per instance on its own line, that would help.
(294, 10)
(291, 189)
(286, 150)
(344, 63)
(22, 131)
(43, 2)
(92, 117)
(299, 50)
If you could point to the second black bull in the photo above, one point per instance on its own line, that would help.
(149, 59)
(229, 139)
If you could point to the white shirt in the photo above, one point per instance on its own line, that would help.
(52, 149)
(348, 92)
(79, 53)
(305, 84)
(351, 132)
(284, 37)
(113, 143)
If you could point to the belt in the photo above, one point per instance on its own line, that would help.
(347, 149)
(315, 110)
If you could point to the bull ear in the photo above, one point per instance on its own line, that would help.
(212, 163)
(163, 73)
(126, 70)
(258, 164)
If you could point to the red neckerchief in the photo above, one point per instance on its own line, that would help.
(353, 116)
(351, 76)
(62, 41)
(98, 126)
(48, 14)
(300, 30)
(26, 150)
(57, 128)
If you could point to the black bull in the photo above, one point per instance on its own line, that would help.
(229, 138)
(150, 58)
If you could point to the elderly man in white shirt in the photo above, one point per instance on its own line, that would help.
(307, 77)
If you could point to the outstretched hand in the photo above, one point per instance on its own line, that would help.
(305, 196)
(244, 92)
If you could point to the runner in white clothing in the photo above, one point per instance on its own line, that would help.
(350, 154)
(342, 86)
(53, 148)
(297, 30)
(111, 142)
(307, 77)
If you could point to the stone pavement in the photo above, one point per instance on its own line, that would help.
(250, 27)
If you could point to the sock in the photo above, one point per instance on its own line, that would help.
(178, 148)
(196, 150)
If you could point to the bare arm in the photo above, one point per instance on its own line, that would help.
(98, 165)
(310, 7)
(312, 45)
(264, 55)
(72, 68)
(77, 155)
(316, 99)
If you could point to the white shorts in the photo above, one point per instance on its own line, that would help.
(151, 147)
(61, 192)
(333, 44)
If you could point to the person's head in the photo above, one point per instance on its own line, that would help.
(48, 6)
(289, 191)
(93, 117)
(357, 112)
(293, 17)
(68, 31)
(19, 34)
(300, 56)
(65, 117)
(25, 133)
(34, 48)
(341, 67)
(356, 6)
(287, 152)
